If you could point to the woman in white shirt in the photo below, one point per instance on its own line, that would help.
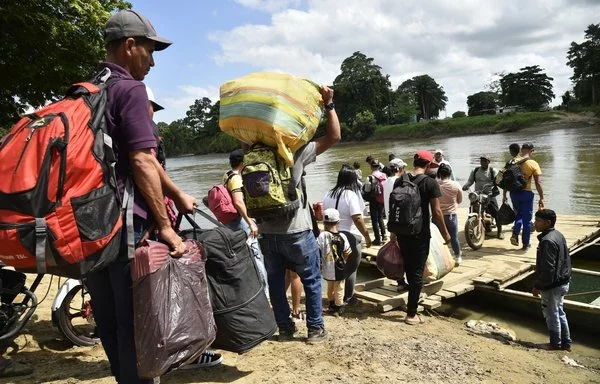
(346, 198)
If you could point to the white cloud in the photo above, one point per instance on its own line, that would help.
(461, 44)
(177, 103)
(269, 5)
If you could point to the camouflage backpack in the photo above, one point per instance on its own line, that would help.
(269, 190)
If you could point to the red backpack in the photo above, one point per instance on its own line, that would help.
(220, 203)
(59, 207)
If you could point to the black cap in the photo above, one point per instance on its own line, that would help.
(128, 23)
(527, 146)
(237, 155)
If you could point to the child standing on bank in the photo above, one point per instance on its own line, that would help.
(335, 250)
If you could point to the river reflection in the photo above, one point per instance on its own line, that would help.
(569, 158)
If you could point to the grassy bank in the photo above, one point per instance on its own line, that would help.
(462, 126)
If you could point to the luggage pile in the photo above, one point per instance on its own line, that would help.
(276, 109)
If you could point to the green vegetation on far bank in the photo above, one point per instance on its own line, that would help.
(460, 126)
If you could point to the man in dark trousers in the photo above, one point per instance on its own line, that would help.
(131, 41)
(552, 277)
(415, 249)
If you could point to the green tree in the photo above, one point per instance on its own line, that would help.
(364, 125)
(198, 115)
(361, 86)
(458, 114)
(403, 108)
(584, 58)
(530, 88)
(428, 95)
(47, 45)
(566, 100)
(482, 103)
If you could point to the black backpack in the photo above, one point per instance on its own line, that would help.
(512, 176)
(240, 307)
(337, 252)
(405, 216)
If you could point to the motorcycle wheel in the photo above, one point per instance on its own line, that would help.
(75, 318)
(474, 232)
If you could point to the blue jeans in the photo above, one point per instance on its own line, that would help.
(240, 224)
(300, 253)
(523, 204)
(452, 226)
(112, 304)
(556, 318)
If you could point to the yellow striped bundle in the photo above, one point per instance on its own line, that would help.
(277, 109)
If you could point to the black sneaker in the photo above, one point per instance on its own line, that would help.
(287, 334)
(207, 359)
(336, 310)
(376, 242)
(316, 335)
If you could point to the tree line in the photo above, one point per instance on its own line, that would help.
(38, 65)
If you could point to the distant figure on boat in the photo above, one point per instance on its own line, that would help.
(552, 277)
(482, 176)
(522, 199)
(438, 159)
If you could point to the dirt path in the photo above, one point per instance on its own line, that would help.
(365, 346)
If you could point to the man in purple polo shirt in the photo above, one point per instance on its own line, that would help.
(130, 42)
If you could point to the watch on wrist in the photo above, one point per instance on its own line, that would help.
(330, 106)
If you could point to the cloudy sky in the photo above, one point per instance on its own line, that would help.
(460, 43)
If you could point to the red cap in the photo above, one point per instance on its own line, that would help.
(424, 154)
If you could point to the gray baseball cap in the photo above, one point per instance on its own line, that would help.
(129, 23)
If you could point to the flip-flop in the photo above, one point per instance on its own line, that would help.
(300, 315)
(414, 321)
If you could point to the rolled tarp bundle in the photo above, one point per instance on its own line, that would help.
(277, 109)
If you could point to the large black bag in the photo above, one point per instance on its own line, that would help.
(505, 215)
(241, 309)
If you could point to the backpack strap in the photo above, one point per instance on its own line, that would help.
(337, 201)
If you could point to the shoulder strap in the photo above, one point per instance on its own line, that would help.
(337, 201)
(230, 174)
(420, 178)
(522, 161)
(475, 171)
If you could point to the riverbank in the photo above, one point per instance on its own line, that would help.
(487, 124)
(365, 346)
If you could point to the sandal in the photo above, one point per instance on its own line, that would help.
(300, 315)
(416, 319)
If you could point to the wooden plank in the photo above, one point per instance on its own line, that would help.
(368, 295)
(446, 294)
(482, 280)
(391, 288)
(431, 304)
(392, 303)
(460, 289)
(367, 285)
(436, 297)
(384, 292)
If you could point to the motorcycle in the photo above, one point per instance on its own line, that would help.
(479, 222)
(71, 309)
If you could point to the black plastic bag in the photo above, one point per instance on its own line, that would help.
(505, 215)
(173, 317)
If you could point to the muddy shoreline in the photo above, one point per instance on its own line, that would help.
(365, 346)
